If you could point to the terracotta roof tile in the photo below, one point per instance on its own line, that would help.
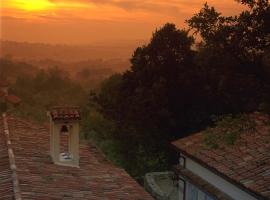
(13, 99)
(2, 93)
(4, 83)
(65, 113)
(247, 163)
(40, 179)
(6, 188)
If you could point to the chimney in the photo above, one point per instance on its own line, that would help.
(64, 135)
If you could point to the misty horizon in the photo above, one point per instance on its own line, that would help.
(94, 22)
(135, 99)
(67, 52)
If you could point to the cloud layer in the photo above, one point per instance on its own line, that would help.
(85, 21)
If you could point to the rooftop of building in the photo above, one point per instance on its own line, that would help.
(65, 113)
(39, 178)
(6, 188)
(9, 98)
(13, 99)
(246, 163)
(4, 83)
(2, 94)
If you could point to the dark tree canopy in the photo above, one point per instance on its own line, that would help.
(246, 36)
(171, 90)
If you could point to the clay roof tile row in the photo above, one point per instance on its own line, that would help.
(4, 83)
(13, 99)
(40, 178)
(6, 187)
(246, 163)
(65, 113)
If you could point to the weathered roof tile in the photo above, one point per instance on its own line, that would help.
(39, 178)
(13, 99)
(6, 187)
(4, 83)
(246, 163)
(65, 113)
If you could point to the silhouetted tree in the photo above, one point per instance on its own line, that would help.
(172, 90)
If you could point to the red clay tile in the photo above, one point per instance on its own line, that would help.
(39, 178)
(4, 83)
(13, 99)
(65, 113)
(248, 159)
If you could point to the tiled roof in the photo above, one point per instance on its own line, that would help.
(13, 99)
(4, 83)
(40, 179)
(65, 113)
(246, 163)
(10, 98)
(2, 93)
(6, 188)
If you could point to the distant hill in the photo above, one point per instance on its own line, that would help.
(88, 65)
(67, 53)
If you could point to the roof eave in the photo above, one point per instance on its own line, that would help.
(218, 173)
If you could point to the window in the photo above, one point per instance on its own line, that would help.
(65, 154)
(182, 161)
(193, 193)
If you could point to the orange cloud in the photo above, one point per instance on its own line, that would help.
(85, 21)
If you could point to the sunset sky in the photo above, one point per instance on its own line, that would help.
(93, 21)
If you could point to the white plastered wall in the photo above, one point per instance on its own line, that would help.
(228, 188)
(55, 128)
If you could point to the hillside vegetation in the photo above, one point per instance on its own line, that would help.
(40, 89)
(174, 87)
(172, 90)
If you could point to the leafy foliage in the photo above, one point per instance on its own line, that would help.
(227, 129)
(246, 36)
(171, 90)
(40, 89)
(12, 70)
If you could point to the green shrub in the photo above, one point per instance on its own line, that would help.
(228, 129)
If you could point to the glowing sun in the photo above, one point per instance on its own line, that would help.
(33, 5)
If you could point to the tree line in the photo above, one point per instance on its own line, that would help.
(175, 85)
(40, 89)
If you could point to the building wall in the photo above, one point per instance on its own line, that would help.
(72, 143)
(220, 183)
(64, 143)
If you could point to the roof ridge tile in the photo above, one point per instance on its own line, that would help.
(15, 180)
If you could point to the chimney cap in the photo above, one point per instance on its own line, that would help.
(65, 113)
